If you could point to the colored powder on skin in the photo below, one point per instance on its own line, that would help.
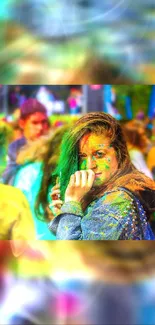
(106, 166)
(86, 137)
(83, 165)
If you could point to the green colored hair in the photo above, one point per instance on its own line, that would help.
(68, 162)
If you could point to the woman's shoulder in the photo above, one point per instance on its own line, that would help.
(117, 203)
(117, 196)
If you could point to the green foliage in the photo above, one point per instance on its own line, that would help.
(6, 133)
(139, 94)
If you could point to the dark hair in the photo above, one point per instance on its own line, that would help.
(31, 106)
(99, 123)
(134, 135)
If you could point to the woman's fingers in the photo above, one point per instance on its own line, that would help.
(91, 177)
(55, 194)
(55, 207)
(78, 178)
(84, 177)
(55, 187)
(57, 191)
(79, 185)
(55, 203)
(72, 180)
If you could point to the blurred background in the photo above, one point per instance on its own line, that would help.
(66, 103)
(77, 41)
(124, 102)
(78, 283)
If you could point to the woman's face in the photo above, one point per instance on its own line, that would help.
(95, 153)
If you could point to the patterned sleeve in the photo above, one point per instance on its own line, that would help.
(111, 217)
(10, 171)
(67, 225)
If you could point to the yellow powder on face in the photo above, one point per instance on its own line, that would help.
(96, 153)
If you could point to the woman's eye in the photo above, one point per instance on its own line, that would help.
(82, 157)
(99, 154)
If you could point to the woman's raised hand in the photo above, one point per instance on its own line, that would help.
(79, 185)
(56, 204)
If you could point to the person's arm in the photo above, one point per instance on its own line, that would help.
(67, 225)
(79, 185)
(111, 218)
(11, 168)
(139, 162)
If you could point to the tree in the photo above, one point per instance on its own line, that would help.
(139, 94)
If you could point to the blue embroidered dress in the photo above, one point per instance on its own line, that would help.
(116, 215)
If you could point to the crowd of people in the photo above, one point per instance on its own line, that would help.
(91, 179)
(70, 101)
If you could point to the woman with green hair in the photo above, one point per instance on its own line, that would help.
(103, 196)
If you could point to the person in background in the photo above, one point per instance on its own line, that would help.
(138, 146)
(73, 102)
(101, 195)
(37, 162)
(34, 123)
(15, 215)
(151, 161)
(17, 131)
(14, 96)
(22, 98)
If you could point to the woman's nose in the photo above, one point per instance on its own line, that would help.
(91, 163)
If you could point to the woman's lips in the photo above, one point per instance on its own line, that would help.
(97, 175)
